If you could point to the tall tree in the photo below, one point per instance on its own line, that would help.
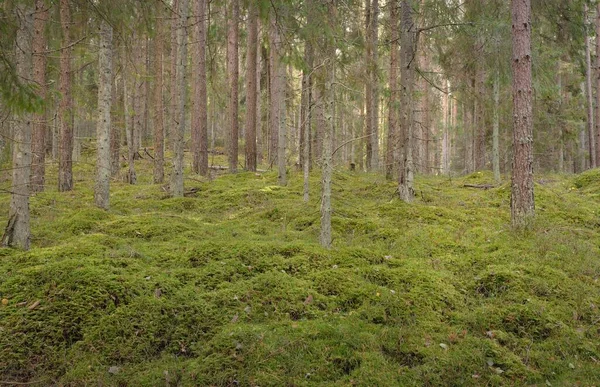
(597, 84)
(329, 102)
(17, 232)
(305, 107)
(522, 200)
(199, 105)
(392, 138)
(277, 98)
(38, 168)
(233, 79)
(408, 49)
(589, 93)
(179, 129)
(159, 107)
(102, 188)
(65, 108)
(251, 96)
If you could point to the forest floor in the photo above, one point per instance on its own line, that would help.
(230, 287)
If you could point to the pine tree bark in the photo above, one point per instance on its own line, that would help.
(375, 84)
(251, 97)
(597, 84)
(17, 232)
(392, 137)
(408, 50)
(199, 107)
(275, 89)
(496, 129)
(38, 167)
(65, 107)
(102, 188)
(305, 117)
(131, 175)
(159, 107)
(233, 79)
(327, 167)
(479, 137)
(589, 94)
(179, 130)
(522, 199)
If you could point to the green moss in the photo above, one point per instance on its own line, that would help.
(229, 286)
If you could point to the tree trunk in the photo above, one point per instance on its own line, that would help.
(305, 118)
(327, 172)
(159, 127)
(589, 94)
(369, 85)
(597, 84)
(172, 115)
(251, 69)
(374, 79)
(65, 163)
(275, 89)
(392, 138)
(179, 130)
(233, 78)
(17, 232)
(102, 191)
(116, 127)
(496, 129)
(408, 50)
(522, 200)
(199, 105)
(480, 129)
(131, 175)
(38, 168)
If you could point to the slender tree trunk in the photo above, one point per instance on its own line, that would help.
(251, 69)
(138, 94)
(159, 127)
(496, 129)
(560, 119)
(102, 191)
(408, 50)
(305, 118)
(375, 82)
(116, 128)
(480, 129)
(233, 77)
(597, 84)
(199, 107)
(327, 172)
(259, 123)
(589, 94)
(392, 138)
(38, 168)
(179, 130)
(131, 175)
(274, 88)
(17, 232)
(172, 116)
(369, 86)
(522, 200)
(65, 163)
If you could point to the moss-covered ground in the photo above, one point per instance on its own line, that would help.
(230, 287)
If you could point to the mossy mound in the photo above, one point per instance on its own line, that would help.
(230, 287)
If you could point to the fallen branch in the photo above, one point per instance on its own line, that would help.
(480, 186)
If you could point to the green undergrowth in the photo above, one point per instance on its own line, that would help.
(229, 285)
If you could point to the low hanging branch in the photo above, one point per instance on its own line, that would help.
(349, 141)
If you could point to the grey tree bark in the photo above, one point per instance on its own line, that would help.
(17, 232)
(597, 84)
(496, 129)
(407, 43)
(305, 118)
(522, 200)
(159, 107)
(179, 129)
(102, 188)
(589, 94)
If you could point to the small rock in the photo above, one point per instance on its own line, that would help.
(571, 366)
(444, 346)
(114, 370)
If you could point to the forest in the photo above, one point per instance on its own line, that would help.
(300, 192)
